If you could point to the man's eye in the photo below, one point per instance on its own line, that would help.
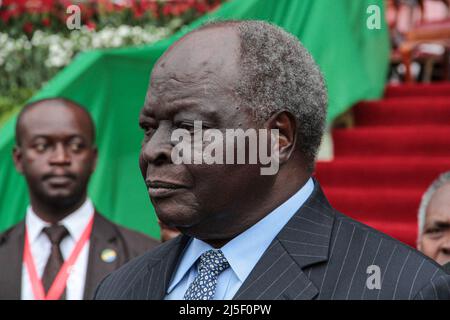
(75, 147)
(434, 232)
(148, 130)
(186, 126)
(41, 147)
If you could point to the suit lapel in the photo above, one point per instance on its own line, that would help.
(11, 255)
(103, 240)
(302, 242)
(276, 277)
(154, 284)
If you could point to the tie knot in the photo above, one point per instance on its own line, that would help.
(213, 261)
(56, 233)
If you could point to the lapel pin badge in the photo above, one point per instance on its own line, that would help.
(109, 255)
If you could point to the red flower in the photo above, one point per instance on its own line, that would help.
(106, 5)
(4, 16)
(201, 7)
(175, 8)
(149, 5)
(8, 2)
(28, 27)
(35, 6)
(181, 8)
(138, 12)
(13, 10)
(65, 3)
(91, 25)
(137, 9)
(46, 22)
(166, 9)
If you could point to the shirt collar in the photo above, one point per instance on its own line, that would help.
(244, 251)
(75, 222)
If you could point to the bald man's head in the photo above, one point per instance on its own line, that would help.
(46, 105)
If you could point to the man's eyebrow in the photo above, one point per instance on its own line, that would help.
(187, 105)
(76, 136)
(176, 107)
(441, 224)
(40, 136)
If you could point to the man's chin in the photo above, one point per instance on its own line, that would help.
(177, 219)
(62, 199)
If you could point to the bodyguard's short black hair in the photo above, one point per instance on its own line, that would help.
(64, 102)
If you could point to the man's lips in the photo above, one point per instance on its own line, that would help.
(162, 189)
(59, 180)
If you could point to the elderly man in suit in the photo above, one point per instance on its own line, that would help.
(248, 235)
(63, 247)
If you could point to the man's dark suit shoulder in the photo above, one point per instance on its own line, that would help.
(406, 272)
(4, 236)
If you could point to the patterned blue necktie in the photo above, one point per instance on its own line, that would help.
(211, 264)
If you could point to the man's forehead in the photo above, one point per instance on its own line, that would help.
(213, 50)
(55, 119)
(440, 203)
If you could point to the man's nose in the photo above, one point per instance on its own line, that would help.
(445, 244)
(60, 155)
(157, 150)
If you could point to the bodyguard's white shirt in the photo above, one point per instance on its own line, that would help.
(40, 245)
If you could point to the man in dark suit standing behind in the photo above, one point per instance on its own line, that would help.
(247, 235)
(63, 247)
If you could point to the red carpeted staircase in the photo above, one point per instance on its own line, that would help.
(382, 166)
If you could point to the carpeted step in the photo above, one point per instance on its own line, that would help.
(383, 166)
(387, 172)
(384, 204)
(403, 111)
(429, 141)
(423, 90)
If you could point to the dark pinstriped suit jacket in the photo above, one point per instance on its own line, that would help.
(319, 254)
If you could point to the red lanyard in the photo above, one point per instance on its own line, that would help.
(58, 285)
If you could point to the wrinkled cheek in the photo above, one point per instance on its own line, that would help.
(430, 248)
(180, 210)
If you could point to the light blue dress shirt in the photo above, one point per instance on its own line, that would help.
(242, 253)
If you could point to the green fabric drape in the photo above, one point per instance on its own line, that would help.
(112, 85)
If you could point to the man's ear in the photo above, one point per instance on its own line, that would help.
(286, 124)
(17, 157)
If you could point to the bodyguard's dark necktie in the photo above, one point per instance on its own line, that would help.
(55, 233)
(211, 264)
